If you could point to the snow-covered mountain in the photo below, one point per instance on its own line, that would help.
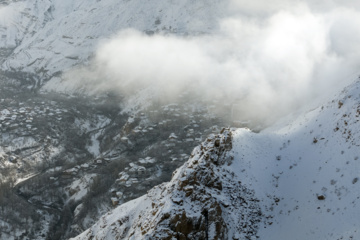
(296, 180)
(50, 36)
(67, 159)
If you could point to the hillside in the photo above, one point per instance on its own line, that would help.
(296, 180)
(45, 37)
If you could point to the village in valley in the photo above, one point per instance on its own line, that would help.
(82, 152)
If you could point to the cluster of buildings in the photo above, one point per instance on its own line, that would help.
(21, 117)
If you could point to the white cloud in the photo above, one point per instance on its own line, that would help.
(272, 56)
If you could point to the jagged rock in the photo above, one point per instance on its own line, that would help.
(198, 203)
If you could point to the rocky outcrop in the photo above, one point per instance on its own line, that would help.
(202, 201)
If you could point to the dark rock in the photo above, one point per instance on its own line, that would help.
(321, 197)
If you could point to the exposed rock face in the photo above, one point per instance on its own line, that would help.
(202, 201)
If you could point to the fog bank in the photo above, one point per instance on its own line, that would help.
(270, 58)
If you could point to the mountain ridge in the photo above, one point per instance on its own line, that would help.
(198, 203)
(299, 179)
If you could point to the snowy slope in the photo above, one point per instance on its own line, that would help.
(295, 180)
(316, 155)
(48, 36)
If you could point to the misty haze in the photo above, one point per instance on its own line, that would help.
(182, 119)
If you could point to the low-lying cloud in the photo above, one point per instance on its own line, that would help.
(270, 58)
